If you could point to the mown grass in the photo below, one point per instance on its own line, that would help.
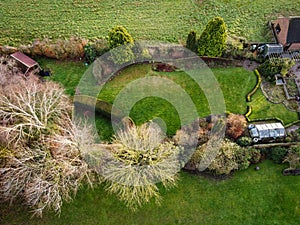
(262, 108)
(249, 197)
(234, 82)
(22, 21)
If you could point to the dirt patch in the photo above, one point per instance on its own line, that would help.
(250, 65)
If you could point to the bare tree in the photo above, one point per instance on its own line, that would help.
(43, 161)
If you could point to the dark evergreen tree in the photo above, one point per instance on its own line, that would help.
(191, 42)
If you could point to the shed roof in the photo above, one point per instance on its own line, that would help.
(269, 126)
(24, 59)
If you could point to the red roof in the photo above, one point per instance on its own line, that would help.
(289, 31)
(24, 59)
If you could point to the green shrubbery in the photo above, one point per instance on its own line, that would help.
(244, 141)
(277, 154)
(95, 49)
(293, 158)
(212, 41)
(230, 157)
(118, 36)
(275, 66)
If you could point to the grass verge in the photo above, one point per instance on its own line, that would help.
(249, 197)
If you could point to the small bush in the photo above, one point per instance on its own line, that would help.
(277, 154)
(230, 157)
(242, 157)
(293, 158)
(119, 36)
(95, 49)
(244, 141)
(236, 125)
(255, 155)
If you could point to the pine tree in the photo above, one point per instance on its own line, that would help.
(191, 42)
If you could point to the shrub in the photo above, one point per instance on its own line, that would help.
(123, 55)
(95, 49)
(191, 42)
(140, 160)
(118, 36)
(293, 158)
(235, 48)
(236, 125)
(255, 155)
(275, 66)
(242, 157)
(244, 141)
(212, 41)
(58, 49)
(229, 157)
(277, 154)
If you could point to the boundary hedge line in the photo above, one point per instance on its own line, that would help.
(249, 95)
(87, 103)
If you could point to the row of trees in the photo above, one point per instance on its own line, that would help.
(212, 41)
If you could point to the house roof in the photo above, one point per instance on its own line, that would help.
(293, 35)
(287, 31)
(24, 59)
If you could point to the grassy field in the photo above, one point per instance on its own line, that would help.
(249, 198)
(170, 20)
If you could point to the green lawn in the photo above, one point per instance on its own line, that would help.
(230, 80)
(262, 108)
(66, 73)
(234, 82)
(250, 197)
(170, 20)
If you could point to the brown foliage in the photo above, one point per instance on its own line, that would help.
(236, 125)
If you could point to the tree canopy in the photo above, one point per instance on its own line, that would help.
(212, 41)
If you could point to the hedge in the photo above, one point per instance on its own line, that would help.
(102, 107)
(249, 112)
(249, 95)
(266, 119)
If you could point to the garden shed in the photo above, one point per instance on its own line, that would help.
(268, 130)
(25, 62)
